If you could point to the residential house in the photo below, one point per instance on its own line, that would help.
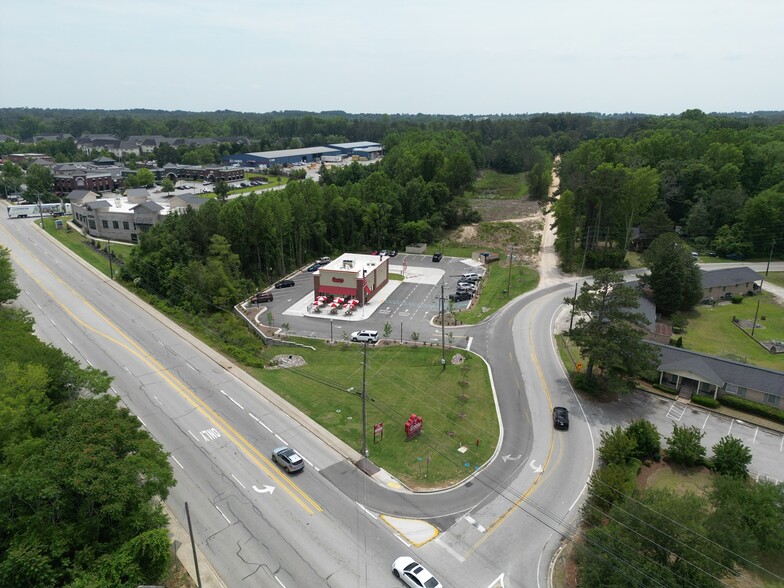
(729, 282)
(691, 372)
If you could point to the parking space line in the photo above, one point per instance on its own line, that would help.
(676, 406)
(781, 445)
(732, 422)
(706, 420)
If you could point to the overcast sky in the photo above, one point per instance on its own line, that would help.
(394, 56)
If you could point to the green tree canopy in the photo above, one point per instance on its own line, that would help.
(609, 330)
(731, 457)
(674, 276)
(684, 446)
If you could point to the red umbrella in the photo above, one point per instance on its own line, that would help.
(354, 302)
(321, 298)
(339, 300)
(315, 303)
(334, 305)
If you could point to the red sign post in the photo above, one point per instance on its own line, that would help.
(378, 431)
(413, 426)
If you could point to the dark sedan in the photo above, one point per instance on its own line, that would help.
(285, 284)
(560, 418)
(438, 256)
(314, 267)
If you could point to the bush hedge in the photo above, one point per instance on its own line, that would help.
(763, 410)
(706, 401)
(666, 389)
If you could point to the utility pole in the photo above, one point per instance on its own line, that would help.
(443, 347)
(509, 281)
(772, 243)
(364, 401)
(109, 253)
(193, 545)
(574, 303)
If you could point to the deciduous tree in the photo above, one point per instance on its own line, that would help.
(731, 457)
(684, 446)
(674, 277)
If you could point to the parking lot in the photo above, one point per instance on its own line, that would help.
(767, 446)
(408, 305)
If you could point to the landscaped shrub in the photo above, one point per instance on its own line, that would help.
(665, 389)
(706, 401)
(763, 410)
(737, 299)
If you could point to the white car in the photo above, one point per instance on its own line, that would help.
(413, 574)
(365, 336)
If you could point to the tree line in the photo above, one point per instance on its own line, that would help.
(719, 181)
(80, 481)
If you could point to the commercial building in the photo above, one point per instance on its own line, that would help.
(124, 218)
(280, 157)
(352, 276)
(362, 149)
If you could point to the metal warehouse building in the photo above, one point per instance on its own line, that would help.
(281, 157)
(361, 148)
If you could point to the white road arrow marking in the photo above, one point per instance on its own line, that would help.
(510, 458)
(265, 490)
(536, 468)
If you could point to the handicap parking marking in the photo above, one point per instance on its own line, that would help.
(676, 411)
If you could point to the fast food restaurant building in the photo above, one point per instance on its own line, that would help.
(352, 276)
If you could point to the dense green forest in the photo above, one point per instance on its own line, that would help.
(719, 181)
(79, 478)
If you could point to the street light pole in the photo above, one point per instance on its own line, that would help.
(772, 243)
(109, 253)
(364, 401)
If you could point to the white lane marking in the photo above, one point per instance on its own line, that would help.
(88, 361)
(67, 339)
(756, 430)
(158, 399)
(224, 393)
(254, 417)
(178, 463)
(142, 422)
(279, 582)
(126, 369)
(676, 409)
(449, 550)
(732, 422)
(539, 562)
(474, 524)
(781, 445)
(192, 435)
(470, 341)
(280, 439)
(223, 515)
(237, 403)
(265, 490)
(706, 420)
(190, 366)
(578, 498)
(238, 482)
(374, 517)
(499, 581)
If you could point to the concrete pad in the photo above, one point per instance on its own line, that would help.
(416, 532)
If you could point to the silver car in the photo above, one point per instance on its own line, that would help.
(288, 458)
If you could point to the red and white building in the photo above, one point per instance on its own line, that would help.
(352, 276)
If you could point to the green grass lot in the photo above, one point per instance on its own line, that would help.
(494, 185)
(456, 404)
(80, 245)
(494, 292)
(775, 278)
(711, 330)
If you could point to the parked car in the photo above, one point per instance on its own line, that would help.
(316, 266)
(708, 300)
(470, 286)
(414, 574)
(365, 336)
(285, 284)
(324, 260)
(392, 253)
(288, 458)
(438, 256)
(560, 418)
(460, 296)
(470, 277)
(261, 297)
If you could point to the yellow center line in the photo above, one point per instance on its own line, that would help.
(541, 477)
(299, 495)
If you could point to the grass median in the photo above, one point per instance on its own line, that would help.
(460, 425)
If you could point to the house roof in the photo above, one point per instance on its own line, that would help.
(99, 204)
(718, 370)
(149, 205)
(78, 195)
(729, 277)
(137, 192)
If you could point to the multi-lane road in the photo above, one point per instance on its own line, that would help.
(324, 527)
